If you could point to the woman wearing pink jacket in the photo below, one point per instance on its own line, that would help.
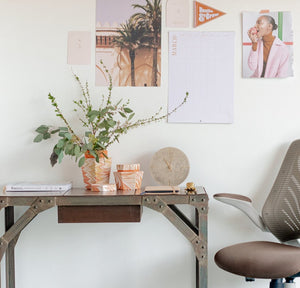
(269, 56)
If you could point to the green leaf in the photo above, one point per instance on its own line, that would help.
(65, 134)
(103, 124)
(128, 110)
(68, 136)
(55, 131)
(103, 139)
(103, 112)
(46, 136)
(42, 129)
(93, 112)
(122, 114)
(87, 133)
(77, 151)
(60, 156)
(111, 123)
(89, 146)
(93, 153)
(119, 102)
(81, 161)
(101, 146)
(103, 133)
(84, 148)
(38, 138)
(68, 149)
(92, 115)
(61, 143)
(63, 129)
(131, 116)
(57, 151)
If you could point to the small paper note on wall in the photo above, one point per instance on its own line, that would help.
(177, 14)
(79, 48)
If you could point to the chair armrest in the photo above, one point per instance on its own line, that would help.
(244, 204)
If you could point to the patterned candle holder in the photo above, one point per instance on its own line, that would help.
(129, 180)
(96, 172)
(128, 176)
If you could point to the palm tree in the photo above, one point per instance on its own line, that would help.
(129, 38)
(150, 19)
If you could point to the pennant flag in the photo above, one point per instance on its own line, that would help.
(204, 13)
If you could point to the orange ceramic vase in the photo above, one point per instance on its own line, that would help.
(94, 172)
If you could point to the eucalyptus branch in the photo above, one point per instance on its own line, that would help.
(87, 91)
(84, 94)
(83, 122)
(109, 88)
(81, 106)
(59, 114)
(157, 119)
(103, 125)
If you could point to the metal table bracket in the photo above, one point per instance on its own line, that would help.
(39, 205)
(180, 221)
(196, 233)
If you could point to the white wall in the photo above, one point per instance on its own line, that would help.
(240, 158)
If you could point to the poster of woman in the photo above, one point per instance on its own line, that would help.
(267, 45)
(128, 41)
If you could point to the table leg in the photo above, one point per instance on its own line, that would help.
(201, 267)
(13, 230)
(10, 252)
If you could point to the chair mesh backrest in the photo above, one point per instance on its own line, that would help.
(281, 211)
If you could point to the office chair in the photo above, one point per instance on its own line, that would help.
(281, 217)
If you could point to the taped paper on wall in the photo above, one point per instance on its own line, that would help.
(201, 63)
(79, 48)
(177, 14)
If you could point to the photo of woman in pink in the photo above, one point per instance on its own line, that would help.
(269, 56)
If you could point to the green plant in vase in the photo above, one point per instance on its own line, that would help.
(103, 125)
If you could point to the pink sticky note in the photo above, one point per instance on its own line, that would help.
(79, 48)
(177, 14)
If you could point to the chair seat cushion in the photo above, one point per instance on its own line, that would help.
(260, 259)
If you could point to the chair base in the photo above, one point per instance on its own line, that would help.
(276, 283)
(290, 285)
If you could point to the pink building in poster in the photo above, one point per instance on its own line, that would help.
(117, 60)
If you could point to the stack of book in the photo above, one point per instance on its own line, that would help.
(33, 188)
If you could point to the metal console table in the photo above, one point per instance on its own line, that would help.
(82, 206)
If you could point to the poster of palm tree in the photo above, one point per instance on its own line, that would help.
(128, 41)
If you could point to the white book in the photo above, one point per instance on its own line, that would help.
(38, 187)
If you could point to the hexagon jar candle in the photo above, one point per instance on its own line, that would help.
(128, 176)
